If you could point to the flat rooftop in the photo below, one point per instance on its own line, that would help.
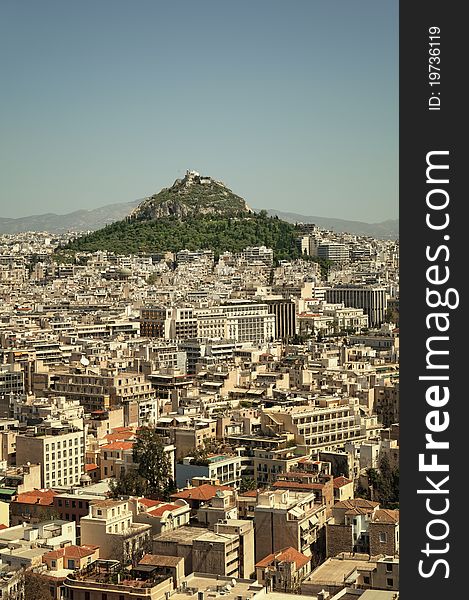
(378, 595)
(181, 535)
(335, 570)
(201, 582)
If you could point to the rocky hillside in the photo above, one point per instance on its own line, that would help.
(191, 196)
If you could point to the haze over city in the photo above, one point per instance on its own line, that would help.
(292, 105)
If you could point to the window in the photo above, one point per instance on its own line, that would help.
(389, 581)
(389, 567)
(366, 579)
(383, 537)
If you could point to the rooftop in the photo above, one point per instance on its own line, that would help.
(203, 492)
(202, 582)
(287, 555)
(181, 535)
(158, 560)
(42, 497)
(336, 570)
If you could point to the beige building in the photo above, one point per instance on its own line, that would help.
(110, 526)
(269, 464)
(236, 320)
(8, 442)
(284, 518)
(60, 451)
(71, 558)
(162, 516)
(100, 389)
(329, 423)
(21, 478)
(4, 514)
(245, 530)
(219, 508)
(283, 571)
(217, 553)
(384, 576)
(203, 551)
(186, 433)
(100, 423)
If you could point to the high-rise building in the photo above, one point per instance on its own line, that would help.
(373, 300)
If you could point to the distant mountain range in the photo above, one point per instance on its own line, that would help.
(79, 220)
(384, 230)
(91, 220)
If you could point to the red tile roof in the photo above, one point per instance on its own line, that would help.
(341, 481)
(249, 493)
(91, 467)
(385, 515)
(158, 511)
(288, 555)
(72, 552)
(41, 497)
(204, 492)
(147, 502)
(118, 446)
(357, 503)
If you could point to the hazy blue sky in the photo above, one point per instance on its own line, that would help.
(293, 104)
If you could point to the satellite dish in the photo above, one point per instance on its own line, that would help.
(84, 361)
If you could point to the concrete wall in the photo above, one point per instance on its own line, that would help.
(274, 532)
(338, 539)
(211, 557)
(173, 548)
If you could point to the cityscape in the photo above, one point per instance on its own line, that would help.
(199, 401)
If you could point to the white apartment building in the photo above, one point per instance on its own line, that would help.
(110, 526)
(326, 425)
(239, 321)
(60, 451)
(249, 322)
(333, 251)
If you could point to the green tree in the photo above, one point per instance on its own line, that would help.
(154, 463)
(31, 586)
(129, 483)
(385, 484)
(247, 484)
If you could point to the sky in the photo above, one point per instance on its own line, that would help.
(292, 104)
